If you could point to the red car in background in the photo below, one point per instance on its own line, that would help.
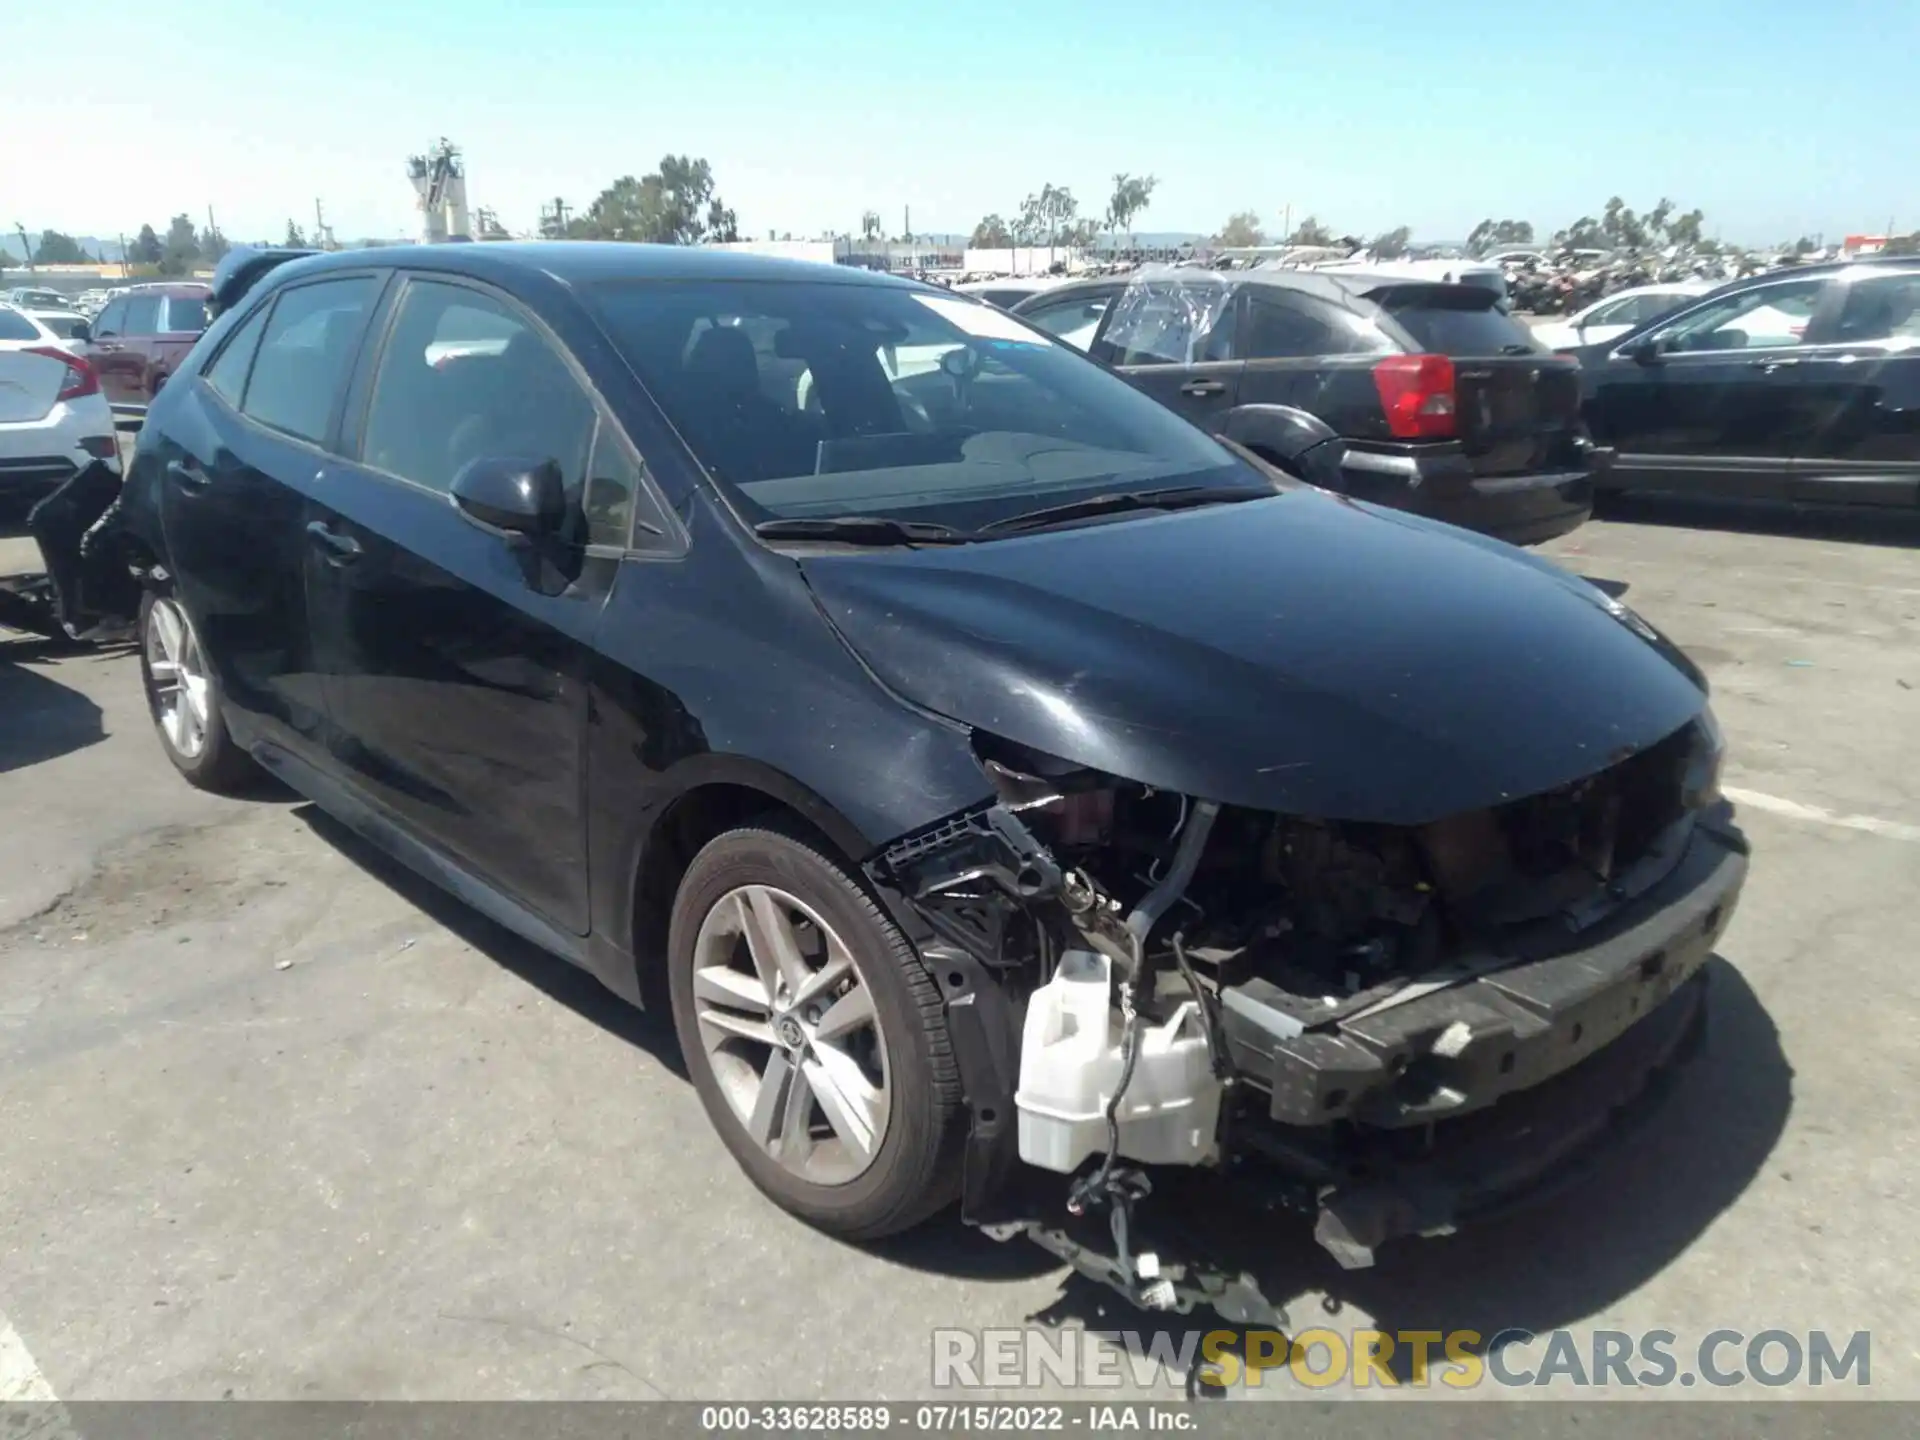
(140, 337)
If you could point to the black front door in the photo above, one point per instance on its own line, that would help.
(456, 660)
(1715, 409)
(1174, 339)
(237, 463)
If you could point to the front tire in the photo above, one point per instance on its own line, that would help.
(183, 696)
(814, 1035)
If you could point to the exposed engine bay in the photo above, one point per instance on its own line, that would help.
(1203, 985)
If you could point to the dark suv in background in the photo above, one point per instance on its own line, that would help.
(1801, 384)
(138, 339)
(1446, 405)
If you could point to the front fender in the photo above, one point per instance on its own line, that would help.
(1298, 441)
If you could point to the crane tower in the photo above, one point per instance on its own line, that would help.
(440, 183)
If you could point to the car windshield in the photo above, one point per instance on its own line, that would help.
(821, 399)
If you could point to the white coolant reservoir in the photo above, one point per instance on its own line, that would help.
(1070, 1063)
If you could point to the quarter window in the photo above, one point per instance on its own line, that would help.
(463, 377)
(1884, 308)
(228, 373)
(305, 354)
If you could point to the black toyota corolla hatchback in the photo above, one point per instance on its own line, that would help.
(1004, 777)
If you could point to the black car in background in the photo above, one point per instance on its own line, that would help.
(1802, 384)
(854, 718)
(1446, 405)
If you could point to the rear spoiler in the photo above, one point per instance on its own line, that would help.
(242, 269)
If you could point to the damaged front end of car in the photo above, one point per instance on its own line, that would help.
(1385, 1029)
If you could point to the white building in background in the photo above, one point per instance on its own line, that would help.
(1019, 259)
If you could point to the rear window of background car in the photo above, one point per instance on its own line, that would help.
(15, 326)
(1472, 327)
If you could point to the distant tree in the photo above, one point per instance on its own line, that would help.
(1131, 196)
(1242, 228)
(180, 251)
(1805, 245)
(296, 237)
(58, 249)
(1623, 229)
(1311, 232)
(146, 248)
(1393, 244)
(991, 234)
(675, 205)
(870, 225)
(1583, 234)
(1491, 233)
(1903, 244)
(213, 246)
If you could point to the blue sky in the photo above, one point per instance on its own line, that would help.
(1775, 118)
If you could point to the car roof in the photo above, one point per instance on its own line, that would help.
(1822, 269)
(1338, 286)
(589, 262)
(178, 288)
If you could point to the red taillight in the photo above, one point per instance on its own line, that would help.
(81, 379)
(1416, 391)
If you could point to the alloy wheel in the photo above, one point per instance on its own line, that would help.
(182, 694)
(789, 1028)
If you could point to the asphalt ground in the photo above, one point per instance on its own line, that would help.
(278, 1121)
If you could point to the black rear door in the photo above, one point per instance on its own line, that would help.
(1859, 385)
(456, 660)
(238, 458)
(1716, 406)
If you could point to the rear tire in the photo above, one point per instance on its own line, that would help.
(183, 697)
(825, 1062)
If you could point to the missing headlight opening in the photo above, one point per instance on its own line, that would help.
(1373, 1020)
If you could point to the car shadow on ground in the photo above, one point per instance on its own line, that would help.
(1551, 1264)
(650, 1030)
(1857, 524)
(1547, 1265)
(44, 719)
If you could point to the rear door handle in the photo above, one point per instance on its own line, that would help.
(339, 549)
(185, 472)
(1204, 387)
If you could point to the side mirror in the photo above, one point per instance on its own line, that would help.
(1645, 351)
(516, 496)
(81, 331)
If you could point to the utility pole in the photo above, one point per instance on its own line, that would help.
(126, 271)
(26, 246)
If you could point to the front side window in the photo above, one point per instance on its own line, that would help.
(1169, 322)
(111, 319)
(976, 416)
(305, 355)
(142, 316)
(1771, 317)
(464, 376)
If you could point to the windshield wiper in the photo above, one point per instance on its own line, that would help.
(863, 530)
(1175, 498)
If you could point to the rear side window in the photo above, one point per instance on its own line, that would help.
(1176, 322)
(1285, 327)
(1456, 321)
(463, 377)
(1884, 308)
(228, 373)
(186, 314)
(142, 316)
(15, 326)
(305, 353)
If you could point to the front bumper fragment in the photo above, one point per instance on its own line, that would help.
(1442, 1048)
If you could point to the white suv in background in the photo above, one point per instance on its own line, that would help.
(54, 421)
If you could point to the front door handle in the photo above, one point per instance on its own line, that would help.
(1769, 366)
(1204, 387)
(185, 472)
(339, 549)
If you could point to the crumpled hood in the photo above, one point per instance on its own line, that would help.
(1303, 654)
